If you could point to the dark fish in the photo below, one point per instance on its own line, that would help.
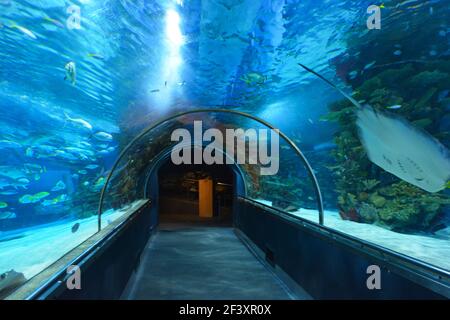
(9, 281)
(437, 227)
(12, 238)
(351, 215)
(75, 227)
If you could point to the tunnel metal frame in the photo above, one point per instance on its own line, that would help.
(218, 109)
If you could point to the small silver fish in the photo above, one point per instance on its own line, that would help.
(78, 121)
(369, 65)
(25, 31)
(96, 56)
(9, 193)
(394, 107)
(55, 22)
(71, 72)
(10, 144)
(60, 185)
(353, 74)
(103, 136)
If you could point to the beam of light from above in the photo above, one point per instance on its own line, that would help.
(173, 30)
(175, 41)
(172, 61)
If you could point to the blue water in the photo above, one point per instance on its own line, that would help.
(138, 61)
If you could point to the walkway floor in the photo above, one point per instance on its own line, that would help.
(201, 262)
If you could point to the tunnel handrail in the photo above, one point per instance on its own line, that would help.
(305, 162)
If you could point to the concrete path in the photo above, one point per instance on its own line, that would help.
(201, 262)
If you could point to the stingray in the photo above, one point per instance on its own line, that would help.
(398, 147)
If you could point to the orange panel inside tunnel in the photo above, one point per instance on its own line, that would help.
(205, 198)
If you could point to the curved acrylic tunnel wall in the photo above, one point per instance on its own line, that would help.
(267, 161)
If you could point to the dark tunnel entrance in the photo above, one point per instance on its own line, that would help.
(196, 194)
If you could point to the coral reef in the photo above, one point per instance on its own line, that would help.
(414, 87)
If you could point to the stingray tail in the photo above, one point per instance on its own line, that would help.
(348, 97)
(65, 121)
(66, 118)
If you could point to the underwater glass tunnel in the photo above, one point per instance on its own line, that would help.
(339, 162)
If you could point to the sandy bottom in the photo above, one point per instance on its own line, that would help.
(33, 249)
(433, 250)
